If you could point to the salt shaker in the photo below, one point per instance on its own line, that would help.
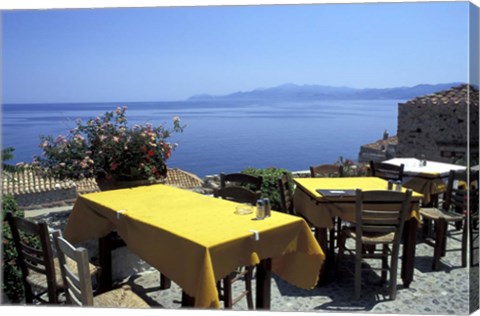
(423, 161)
(268, 206)
(260, 209)
(398, 187)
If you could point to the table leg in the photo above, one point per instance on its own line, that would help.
(165, 283)
(187, 300)
(105, 261)
(264, 273)
(410, 241)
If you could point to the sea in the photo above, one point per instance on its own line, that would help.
(223, 136)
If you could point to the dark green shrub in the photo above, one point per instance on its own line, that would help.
(12, 283)
(269, 185)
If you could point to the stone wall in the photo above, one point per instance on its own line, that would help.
(438, 131)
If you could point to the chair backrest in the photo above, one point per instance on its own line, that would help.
(33, 257)
(386, 171)
(77, 280)
(458, 198)
(238, 194)
(381, 212)
(254, 183)
(286, 193)
(326, 170)
(239, 187)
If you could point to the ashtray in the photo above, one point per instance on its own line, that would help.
(243, 209)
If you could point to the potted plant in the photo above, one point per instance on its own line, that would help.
(109, 150)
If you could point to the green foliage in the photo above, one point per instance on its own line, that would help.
(7, 154)
(269, 184)
(12, 283)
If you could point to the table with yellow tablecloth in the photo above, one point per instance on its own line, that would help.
(195, 240)
(319, 210)
(429, 178)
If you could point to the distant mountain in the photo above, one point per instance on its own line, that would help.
(290, 91)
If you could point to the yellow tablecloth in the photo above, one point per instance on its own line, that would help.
(196, 240)
(320, 210)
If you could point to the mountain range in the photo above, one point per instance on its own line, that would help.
(290, 91)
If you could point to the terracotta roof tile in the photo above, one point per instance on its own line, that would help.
(383, 143)
(26, 182)
(457, 95)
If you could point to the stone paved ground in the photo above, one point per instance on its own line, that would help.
(443, 292)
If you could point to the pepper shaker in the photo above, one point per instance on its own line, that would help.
(260, 210)
(268, 206)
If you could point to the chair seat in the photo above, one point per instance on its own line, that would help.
(370, 239)
(435, 214)
(40, 280)
(122, 297)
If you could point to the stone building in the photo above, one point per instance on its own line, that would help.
(382, 149)
(436, 125)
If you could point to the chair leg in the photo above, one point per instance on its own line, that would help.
(331, 241)
(440, 227)
(358, 270)
(384, 263)
(28, 293)
(393, 273)
(464, 243)
(248, 286)
(227, 292)
(341, 250)
(473, 232)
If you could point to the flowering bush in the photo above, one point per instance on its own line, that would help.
(351, 168)
(106, 148)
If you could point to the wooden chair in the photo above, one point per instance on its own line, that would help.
(35, 258)
(40, 268)
(286, 193)
(238, 194)
(326, 170)
(242, 188)
(329, 171)
(253, 183)
(454, 209)
(377, 222)
(386, 171)
(78, 281)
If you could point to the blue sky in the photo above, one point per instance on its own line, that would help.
(158, 54)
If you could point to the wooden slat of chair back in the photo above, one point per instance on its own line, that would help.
(238, 194)
(241, 179)
(286, 193)
(459, 196)
(326, 170)
(386, 171)
(381, 211)
(78, 283)
(31, 259)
